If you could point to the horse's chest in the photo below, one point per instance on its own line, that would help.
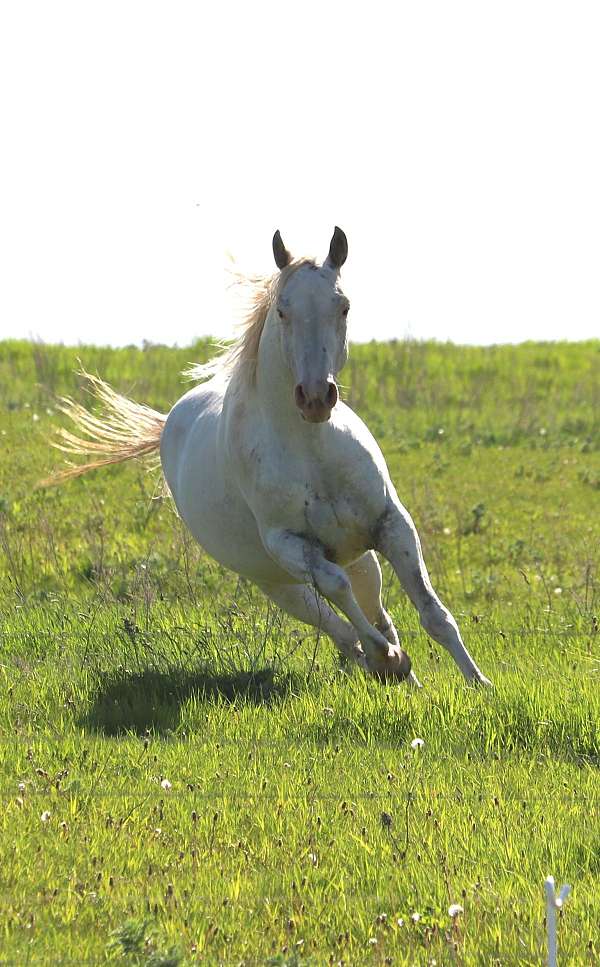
(336, 522)
(330, 497)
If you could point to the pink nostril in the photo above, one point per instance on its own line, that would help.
(328, 398)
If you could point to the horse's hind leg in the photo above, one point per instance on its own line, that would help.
(303, 602)
(398, 541)
(365, 578)
(366, 581)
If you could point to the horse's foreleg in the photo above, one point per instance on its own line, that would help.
(305, 561)
(303, 602)
(398, 541)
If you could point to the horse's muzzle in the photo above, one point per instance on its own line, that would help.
(316, 402)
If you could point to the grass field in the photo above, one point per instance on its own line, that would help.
(189, 777)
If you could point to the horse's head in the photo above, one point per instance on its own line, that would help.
(311, 310)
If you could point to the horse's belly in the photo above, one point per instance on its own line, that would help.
(229, 534)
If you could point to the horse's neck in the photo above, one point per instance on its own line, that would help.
(273, 379)
(275, 385)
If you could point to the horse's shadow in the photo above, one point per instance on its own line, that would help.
(151, 701)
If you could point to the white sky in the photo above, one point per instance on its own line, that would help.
(457, 144)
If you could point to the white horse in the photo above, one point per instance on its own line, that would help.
(278, 479)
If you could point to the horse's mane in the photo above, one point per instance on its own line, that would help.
(241, 355)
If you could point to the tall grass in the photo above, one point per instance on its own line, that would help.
(189, 777)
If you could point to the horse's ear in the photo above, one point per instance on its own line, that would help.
(338, 250)
(282, 256)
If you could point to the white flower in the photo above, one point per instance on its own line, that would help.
(454, 909)
(45, 816)
(558, 590)
(415, 917)
(21, 787)
(165, 784)
(372, 941)
(35, 418)
(417, 743)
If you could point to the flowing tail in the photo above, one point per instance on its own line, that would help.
(123, 431)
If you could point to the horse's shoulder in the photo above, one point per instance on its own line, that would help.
(354, 433)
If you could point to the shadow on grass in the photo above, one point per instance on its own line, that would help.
(152, 700)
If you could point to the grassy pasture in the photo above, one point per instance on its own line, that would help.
(188, 777)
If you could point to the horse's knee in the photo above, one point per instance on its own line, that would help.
(333, 583)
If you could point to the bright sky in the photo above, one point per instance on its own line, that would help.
(457, 144)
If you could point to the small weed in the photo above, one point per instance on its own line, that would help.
(130, 937)
(136, 940)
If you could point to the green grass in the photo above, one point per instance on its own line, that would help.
(300, 826)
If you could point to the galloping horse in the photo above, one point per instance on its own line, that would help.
(277, 478)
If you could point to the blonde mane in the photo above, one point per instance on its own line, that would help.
(241, 355)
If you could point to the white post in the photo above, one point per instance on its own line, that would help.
(553, 903)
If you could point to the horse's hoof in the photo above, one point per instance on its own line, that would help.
(395, 666)
(480, 681)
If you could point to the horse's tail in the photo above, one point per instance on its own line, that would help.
(123, 430)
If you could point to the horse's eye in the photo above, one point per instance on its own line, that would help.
(345, 310)
(280, 314)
